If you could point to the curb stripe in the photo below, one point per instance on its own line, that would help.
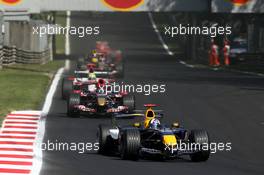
(17, 138)
(15, 163)
(12, 122)
(22, 118)
(18, 132)
(7, 170)
(16, 156)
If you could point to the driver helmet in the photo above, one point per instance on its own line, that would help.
(91, 75)
(154, 123)
(102, 58)
(94, 53)
(94, 60)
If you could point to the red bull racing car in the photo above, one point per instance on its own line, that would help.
(151, 138)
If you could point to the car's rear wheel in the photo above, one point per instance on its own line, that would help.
(200, 137)
(73, 100)
(130, 144)
(129, 101)
(66, 88)
(120, 70)
(80, 62)
(103, 136)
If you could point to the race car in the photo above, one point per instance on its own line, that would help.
(151, 138)
(114, 55)
(99, 102)
(80, 78)
(105, 60)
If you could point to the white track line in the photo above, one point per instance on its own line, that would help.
(19, 130)
(15, 159)
(15, 140)
(67, 36)
(37, 162)
(19, 116)
(20, 167)
(67, 65)
(19, 120)
(27, 112)
(165, 46)
(26, 125)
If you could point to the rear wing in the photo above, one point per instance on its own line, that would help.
(138, 113)
(117, 117)
(96, 72)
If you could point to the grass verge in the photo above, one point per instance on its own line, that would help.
(60, 19)
(24, 86)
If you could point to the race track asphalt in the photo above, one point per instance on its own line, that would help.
(228, 105)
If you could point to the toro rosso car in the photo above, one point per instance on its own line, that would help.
(150, 138)
(98, 102)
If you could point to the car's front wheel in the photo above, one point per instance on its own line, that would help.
(130, 144)
(200, 137)
(73, 100)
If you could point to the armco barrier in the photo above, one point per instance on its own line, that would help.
(12, 54)
(1, 57)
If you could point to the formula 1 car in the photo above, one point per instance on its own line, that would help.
(102, 64)
(105, 59)
(151, 138)
(99, 102)
(81, 77)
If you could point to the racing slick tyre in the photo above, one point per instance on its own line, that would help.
(66, 88)
(200, 137)
(80, 62)
(120, 70)
(129, 101)
(103, 136)
(83, 67)
(130, 144)
(74, 99)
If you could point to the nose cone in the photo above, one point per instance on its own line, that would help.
(101, 101)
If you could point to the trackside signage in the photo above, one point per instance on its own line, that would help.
(30, 6)
(228, 6)
(237, 6)
(105, 5)
(10, 2)
(122, 5)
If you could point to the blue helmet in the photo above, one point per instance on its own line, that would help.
(154, 123)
